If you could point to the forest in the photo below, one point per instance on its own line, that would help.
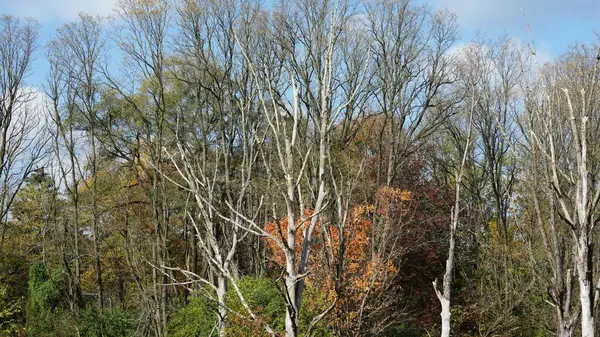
(326, 168)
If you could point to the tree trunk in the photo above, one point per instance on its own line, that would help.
(291, 312)
(221, 292)
(584, 273)
(444, 297)
(565, 328)
(445, 317)
(290, 325)
(445, 294)
(75, 200)
(96, 229)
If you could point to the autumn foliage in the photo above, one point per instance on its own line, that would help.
(349, 268)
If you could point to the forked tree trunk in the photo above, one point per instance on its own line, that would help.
(222, 311)
(565, 328)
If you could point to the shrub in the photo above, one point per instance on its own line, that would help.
(44, 300)
(113, 323)
(196, 319)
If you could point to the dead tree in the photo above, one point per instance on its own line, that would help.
(22, 140)
(563, 114)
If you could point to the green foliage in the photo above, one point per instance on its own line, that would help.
(196, 319)
(404, 330)
(10, 310)
(13, 294)
(265, 300)
(315, 302)
(199, 316)
(113, 323)
(47, 317)
(44, 300)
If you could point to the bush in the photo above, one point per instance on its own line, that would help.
(266, 302)
(113, 323)
(44, 300)
(196, 319)
(13, 294)
(403, 330)
(199, 316)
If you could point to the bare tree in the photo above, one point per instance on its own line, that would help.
(64, 138)
(141, 34)
(445, 294)
(558, 268)
(562, 128)
(22, 140)
(493, 70)
(217, 150)
(411, 75)
(299, 78)
(78, 49)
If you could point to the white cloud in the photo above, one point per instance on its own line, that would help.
(61, 10)
(543, 51)
(499, 14)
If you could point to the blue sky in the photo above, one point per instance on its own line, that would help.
(556, 24)
(51, 14)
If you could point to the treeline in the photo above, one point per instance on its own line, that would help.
(307, 168)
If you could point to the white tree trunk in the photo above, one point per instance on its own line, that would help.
(445, 295)
(221, 292)
(291, 314)
(445, 317)
(587, 319)
(289, 325)
(585, 289)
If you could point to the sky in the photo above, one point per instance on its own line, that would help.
(52, 14)
(555, 24)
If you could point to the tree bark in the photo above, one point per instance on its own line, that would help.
(445, 296)
(222, 311)
(586, 291)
